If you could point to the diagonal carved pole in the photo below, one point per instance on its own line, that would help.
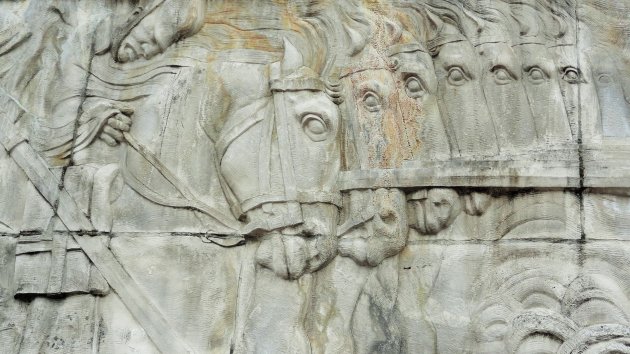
(141, 307)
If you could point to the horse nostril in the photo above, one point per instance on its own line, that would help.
(146, 49)
(432, 227)
(388, 216)
(128, 52)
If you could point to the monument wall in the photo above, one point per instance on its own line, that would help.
(315, 176)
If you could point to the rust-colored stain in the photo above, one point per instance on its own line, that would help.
(230, 28)
(410, 112)
(389, 133)
(59, 161)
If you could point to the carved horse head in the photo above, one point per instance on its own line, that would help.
(279, 157)
(487, 29)
(540, 76)
(282, 151)
(385, 120)
(385, 94)
(415, 76)
(462, 101)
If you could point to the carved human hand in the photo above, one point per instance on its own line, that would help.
(105, 120)
(118, 122)
(383, 236)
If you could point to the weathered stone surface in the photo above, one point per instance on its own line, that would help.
(314, 176)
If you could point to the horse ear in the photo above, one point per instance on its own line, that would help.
(292, 58)
(434, 23)
(357, 41)
(394, 31)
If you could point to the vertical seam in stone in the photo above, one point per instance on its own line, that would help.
(97, 325)
(580, 193)
(579, 131)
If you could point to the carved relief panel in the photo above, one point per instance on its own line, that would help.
(314, 176)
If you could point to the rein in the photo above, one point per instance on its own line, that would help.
(186, 200)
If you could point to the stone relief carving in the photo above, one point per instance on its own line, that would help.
(428, 176)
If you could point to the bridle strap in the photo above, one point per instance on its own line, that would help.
(307, 84)
(308, 197)
(247, 117)
(286, 146)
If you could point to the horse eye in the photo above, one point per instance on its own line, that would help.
(571, 75)
(315, 127)
(371, 101)
(414, 87)
(605, 79)
(456, 76)
(502, 76)
(536, 75)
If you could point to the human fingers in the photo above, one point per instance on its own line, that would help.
(123, 118)
(118, 124)
(126, 110)
(108, 139)
(113, 133)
